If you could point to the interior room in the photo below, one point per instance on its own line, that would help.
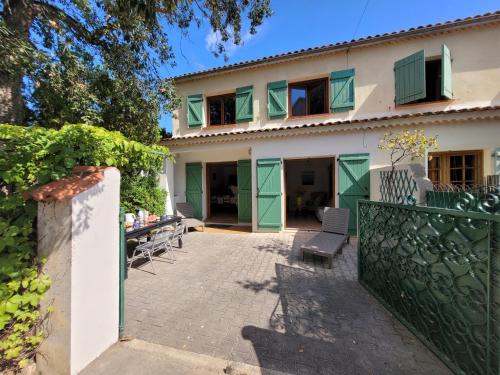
(222, 191)
(309, 188)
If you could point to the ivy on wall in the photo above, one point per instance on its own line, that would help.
(33, 156)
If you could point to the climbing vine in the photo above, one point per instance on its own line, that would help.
(33, 156)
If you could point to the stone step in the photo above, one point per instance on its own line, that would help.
(141, 357)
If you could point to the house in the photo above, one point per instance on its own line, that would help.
(270, 140)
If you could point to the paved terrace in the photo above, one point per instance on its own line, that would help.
(246, 298)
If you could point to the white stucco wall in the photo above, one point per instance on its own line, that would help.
(476, 73)
(166, 182)
(95, 270)
(79, 238)
(478, 135)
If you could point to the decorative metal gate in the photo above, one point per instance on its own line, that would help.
(438, 271)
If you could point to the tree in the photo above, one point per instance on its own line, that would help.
(405, 145)
(98, 60)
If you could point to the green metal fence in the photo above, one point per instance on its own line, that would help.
(438, 272)
(473, 200)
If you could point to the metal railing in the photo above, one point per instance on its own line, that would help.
(438, 271)
(479, 198)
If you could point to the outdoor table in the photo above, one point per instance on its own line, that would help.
(146, 229)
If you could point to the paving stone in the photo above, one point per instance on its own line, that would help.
(248, 298)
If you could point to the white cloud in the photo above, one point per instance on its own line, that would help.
(213, 38)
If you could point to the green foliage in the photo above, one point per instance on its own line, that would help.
(142, 192)
(407, 144)
(33, 156)
(101, 62)
(403, 145)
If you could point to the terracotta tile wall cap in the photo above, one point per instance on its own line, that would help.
(64, 189)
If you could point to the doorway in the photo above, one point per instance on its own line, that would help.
(309, 187)
(222, 193)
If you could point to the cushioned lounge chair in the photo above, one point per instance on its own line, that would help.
(333, 235)
(185, 210)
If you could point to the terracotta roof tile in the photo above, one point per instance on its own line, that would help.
(84, 177)
(335, 123)
(440, 26)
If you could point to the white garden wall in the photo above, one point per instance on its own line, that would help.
(78, 234)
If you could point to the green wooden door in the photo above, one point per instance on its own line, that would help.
(194, 189)
(354, 184)
(244, 191)
(269, 195)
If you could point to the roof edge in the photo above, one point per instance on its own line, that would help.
(176, 141)
(459, 23)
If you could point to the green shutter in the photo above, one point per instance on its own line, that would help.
(277, 96)
(446, 83)
(194, 191)
(354, 184)
(269, 195)
(342, 90)
(195, 111)
(409, 74)
(244, 104)
(244, 173)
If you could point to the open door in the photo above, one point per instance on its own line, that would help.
(244, 191)
(194, 190)
(269, 192)
(354, 184)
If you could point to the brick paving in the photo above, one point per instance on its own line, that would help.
(246, 298)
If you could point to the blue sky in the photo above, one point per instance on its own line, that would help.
(298, 24)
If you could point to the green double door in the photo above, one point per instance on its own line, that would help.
(269, 195)
(244, 173)
(353, 185)
(194, 189)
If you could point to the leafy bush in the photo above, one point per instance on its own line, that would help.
(33, 156)
(142, 192)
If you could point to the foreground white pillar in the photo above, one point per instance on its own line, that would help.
(78, 234)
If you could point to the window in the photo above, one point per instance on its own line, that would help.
(421, 79)
(432, 81)
(221, 110)
(462, 168)
(308, 98)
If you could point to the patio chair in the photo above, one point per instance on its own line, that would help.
(147, 250)
(333, 235)
(164, 238)
(185, 211)
(175, 236)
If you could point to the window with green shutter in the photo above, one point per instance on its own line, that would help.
(195, 111)
(409, 74)
(342, 90)
(244, 104)
(277, 99)
(421, 79)
(446, 85)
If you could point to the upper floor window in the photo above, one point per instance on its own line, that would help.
(221, 110)
(309, 97)
(418, 79)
